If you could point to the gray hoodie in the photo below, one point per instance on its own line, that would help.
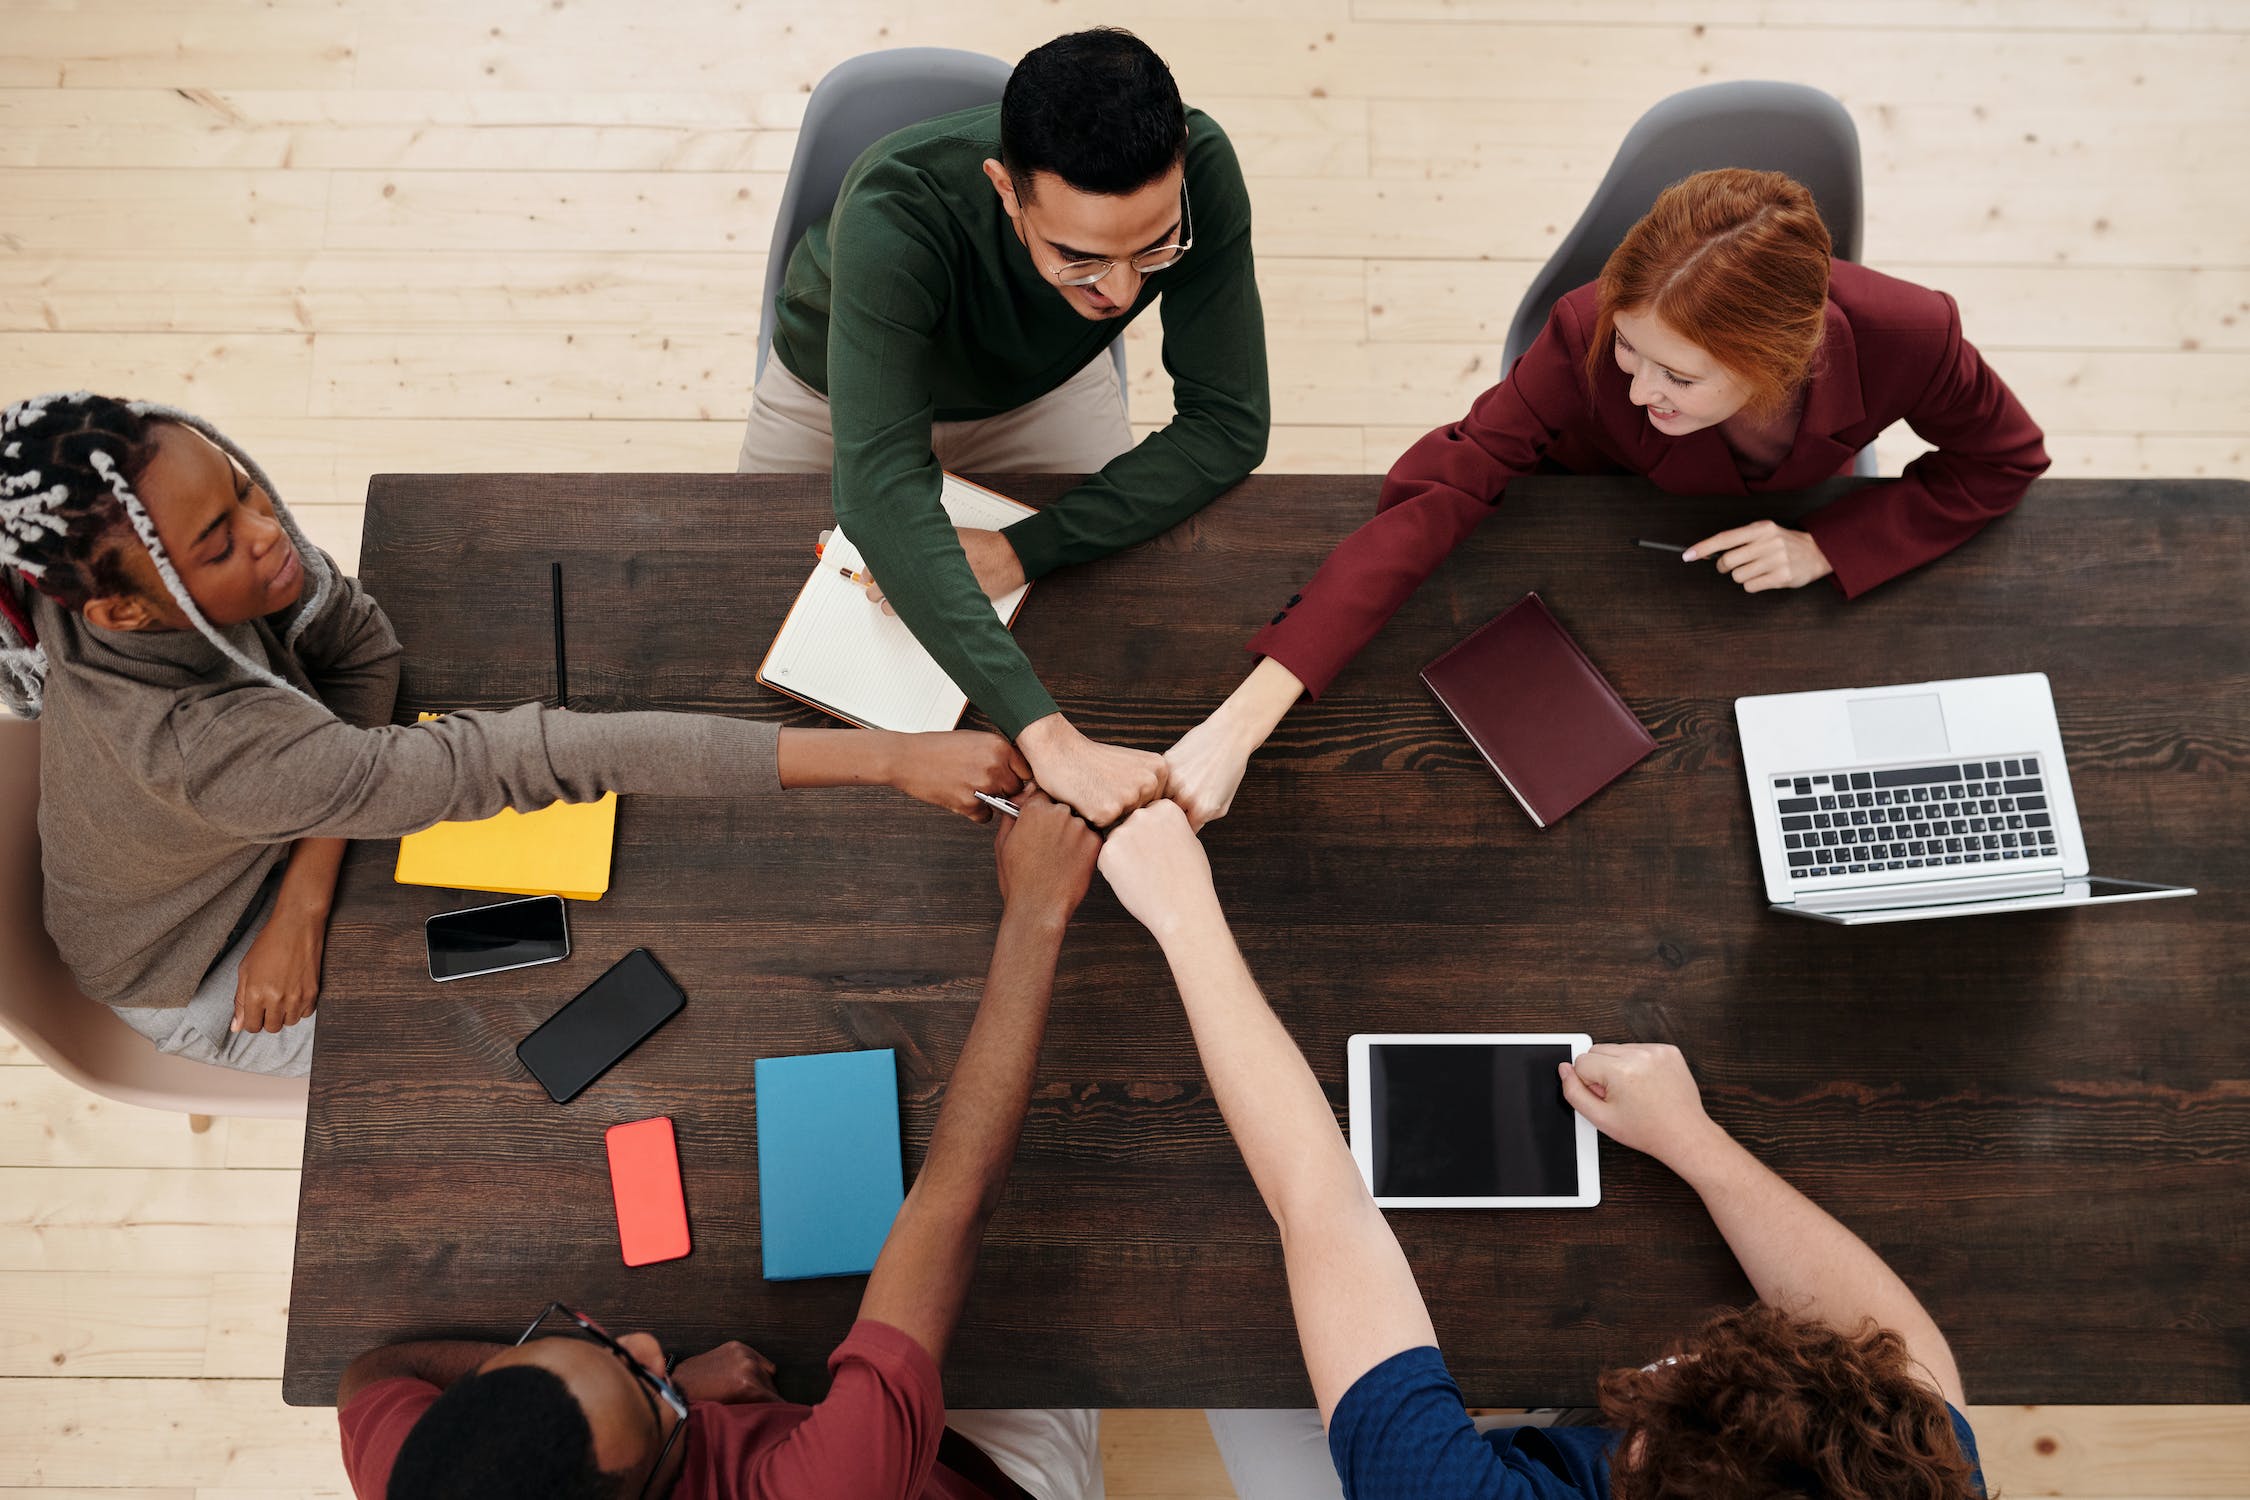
(171, 780)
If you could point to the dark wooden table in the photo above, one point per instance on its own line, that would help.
(2043, 1121)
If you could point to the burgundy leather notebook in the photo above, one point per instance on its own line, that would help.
(1538, 710)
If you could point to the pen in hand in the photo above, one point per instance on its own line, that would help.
(998, 804)
(1657, 546)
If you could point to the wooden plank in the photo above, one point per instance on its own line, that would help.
(215, 48)
(400, 130)
(2142, 308)
(249, 1323)
(267, 1145)
(47, 1121)
(2114, 1450)
(623, 211)
(601, 373)
(187, 1222)
(192, 1432)
(356, 291)
(160, 212)
(56, 1324)
(105, 1493)
(228, 375)
(1915, 15)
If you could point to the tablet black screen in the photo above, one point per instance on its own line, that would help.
(1471, 1121)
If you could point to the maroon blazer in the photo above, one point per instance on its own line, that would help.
(1892, 351)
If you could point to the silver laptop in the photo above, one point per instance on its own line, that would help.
(1931, 799)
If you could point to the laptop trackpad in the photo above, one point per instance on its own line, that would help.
(1903, 728)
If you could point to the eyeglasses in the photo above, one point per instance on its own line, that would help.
(1153, 259)
(653, 1387)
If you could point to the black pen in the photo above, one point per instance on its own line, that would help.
(1657, 546)
(562, 673)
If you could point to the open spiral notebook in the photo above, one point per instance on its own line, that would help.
(843, 655)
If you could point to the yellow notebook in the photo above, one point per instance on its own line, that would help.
(560, 850)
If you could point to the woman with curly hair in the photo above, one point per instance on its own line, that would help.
(215, 703)
(1836, 1385)
(1723, 351)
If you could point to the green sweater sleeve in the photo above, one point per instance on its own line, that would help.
(889, 291)
(1215, 352)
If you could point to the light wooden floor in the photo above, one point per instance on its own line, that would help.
(372, 235)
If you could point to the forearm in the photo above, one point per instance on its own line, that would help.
(308, 885)
(921, 1279)
(1799, 1258)
(1257, 706)
(1352, 1292)
(1143, 492)
(438, 1361)
(839, 757)
(1273, 1105)
(889, 505)
(977, 1128)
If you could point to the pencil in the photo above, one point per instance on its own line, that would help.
(562, 671)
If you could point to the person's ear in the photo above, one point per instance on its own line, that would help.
(997, 174)
(121, 612)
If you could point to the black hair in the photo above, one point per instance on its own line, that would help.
(1097, 108)
(511, 1434)
(68, 465)
(63, 518)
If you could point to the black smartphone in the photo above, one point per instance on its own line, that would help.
(606, 1020)
(487, 939)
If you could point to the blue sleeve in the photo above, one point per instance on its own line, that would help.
(1402, 1432)
(1968, 1444)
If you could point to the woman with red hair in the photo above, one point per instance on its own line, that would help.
(1722, 352)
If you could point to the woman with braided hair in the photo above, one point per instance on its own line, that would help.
(215, 703)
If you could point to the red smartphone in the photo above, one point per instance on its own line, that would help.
(644, 1177)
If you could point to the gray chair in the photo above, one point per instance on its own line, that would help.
(1769, 127)
(860, 101)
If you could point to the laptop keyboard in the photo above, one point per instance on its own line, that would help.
(1971, 817)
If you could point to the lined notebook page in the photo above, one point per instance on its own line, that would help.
(840, 652)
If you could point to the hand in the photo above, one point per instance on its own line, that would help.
(1640, 1094)
(992, 557)
(734, 1373)
(948, 768)
(1158, 868)
(1102, 782)
(278, 984)
(1204, 769)
(1046, 857)
(1764, 555)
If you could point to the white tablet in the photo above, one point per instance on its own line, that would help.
(1470, 1121)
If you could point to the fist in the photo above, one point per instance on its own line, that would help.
(1157, 867)
(1046, 856)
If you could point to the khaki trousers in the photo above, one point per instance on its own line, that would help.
(1075, 428)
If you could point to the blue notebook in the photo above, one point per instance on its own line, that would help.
(830, 1173)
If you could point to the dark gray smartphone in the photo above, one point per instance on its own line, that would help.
(606, 1020)
(488, 939)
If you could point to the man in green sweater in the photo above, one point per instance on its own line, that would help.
(956, 309)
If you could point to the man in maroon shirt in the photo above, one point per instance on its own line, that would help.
(582, 1415)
